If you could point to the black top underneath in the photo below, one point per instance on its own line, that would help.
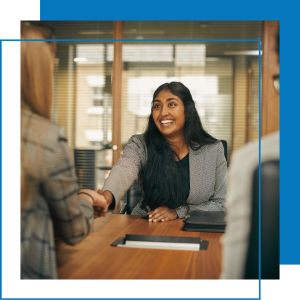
(184, 170)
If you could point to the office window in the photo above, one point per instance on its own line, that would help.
(222, 76)
(93, 124)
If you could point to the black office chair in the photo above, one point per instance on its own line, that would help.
(134, 194)
(269, 224)
(225, 149)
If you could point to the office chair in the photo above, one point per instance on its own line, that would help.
(225, 149)
(134, 194)
(269, 224)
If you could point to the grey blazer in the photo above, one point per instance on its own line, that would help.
(208, 171)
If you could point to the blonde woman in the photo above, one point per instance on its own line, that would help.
(50, 202)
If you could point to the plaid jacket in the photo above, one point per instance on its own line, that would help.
(52, 206)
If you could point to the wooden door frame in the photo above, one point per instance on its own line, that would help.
(117, 93)
(117, 97)
(270, 67)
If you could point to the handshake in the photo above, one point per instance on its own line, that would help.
(99, 200)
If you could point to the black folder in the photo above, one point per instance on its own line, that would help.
(162, 239)
(206, 221)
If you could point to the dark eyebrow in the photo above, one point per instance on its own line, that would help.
(166, 100)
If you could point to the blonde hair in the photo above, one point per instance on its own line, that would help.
(37, 64)
(37, 61)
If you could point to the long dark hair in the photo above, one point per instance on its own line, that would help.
(160, 177)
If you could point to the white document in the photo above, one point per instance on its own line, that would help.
(160, 245)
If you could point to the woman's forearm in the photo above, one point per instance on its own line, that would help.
(109, 197)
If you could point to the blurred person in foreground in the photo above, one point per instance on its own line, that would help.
(179, 166)
(239, 214)
(50, 203)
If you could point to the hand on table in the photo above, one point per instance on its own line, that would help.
(162, 214)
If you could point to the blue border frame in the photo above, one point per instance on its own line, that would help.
(194, 10)
(135, 10)
(1, 165)
(259, 184)
(144, 40)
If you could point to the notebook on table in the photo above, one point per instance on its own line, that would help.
(206, 221)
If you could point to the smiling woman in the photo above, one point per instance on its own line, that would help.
(168, 114)
(179, 166)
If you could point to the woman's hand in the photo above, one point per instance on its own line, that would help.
(100, 203)
(107, 195)
(162, 214)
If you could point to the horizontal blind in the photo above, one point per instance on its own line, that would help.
(82, 30)
(85, 167)
(192, 30)
(82, 101)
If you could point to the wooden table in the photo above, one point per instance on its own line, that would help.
(94, 258)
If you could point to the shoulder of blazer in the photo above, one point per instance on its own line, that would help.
(136, 145)
(138, 140)
(217, 144)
